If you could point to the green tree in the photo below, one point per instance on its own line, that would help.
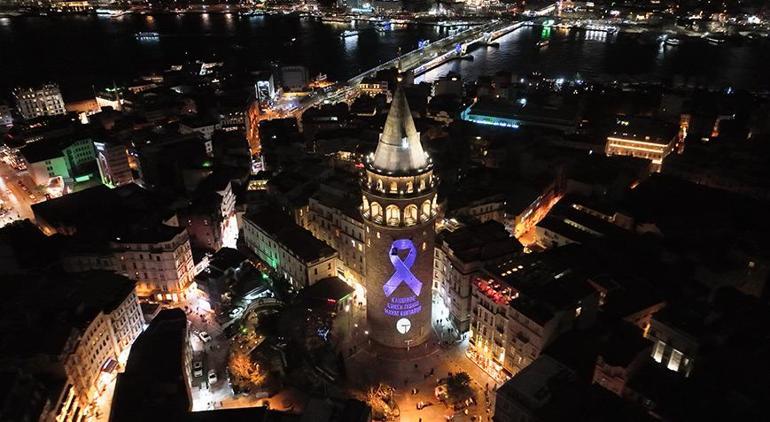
(459, 387)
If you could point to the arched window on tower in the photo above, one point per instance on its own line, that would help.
(425, 212)
(380, 186)
(392, 215)
(422, 184)
(409, 186)
(393, 187)
(365, 207)
(410, 215)
(376, 210)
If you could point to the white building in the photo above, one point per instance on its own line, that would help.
(6, 118)
(334, 218)
(158, 258)
(460, 255)
(205, 127)
(72, 332)
(523, 305)
(103, 344)
(112, 159)
(45, 100)
(290, 250)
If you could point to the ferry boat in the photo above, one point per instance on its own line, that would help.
(250, 13)
(335, 19)
(543, 43)
(715, 40)
(147, 36)
(113, 13)
(348, 33)
(384, 26)
(673, 42)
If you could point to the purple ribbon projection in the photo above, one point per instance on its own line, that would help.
(402, 306)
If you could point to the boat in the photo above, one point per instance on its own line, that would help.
(543, 43)
(113, 13)
(384, 26)
(335, 19)
(147, 36)
(673, 42)
(715, 40)
(348, 33)
(250, 13)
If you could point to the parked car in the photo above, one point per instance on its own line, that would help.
(236, 312)
(212, 376)
(204, 336)
(197, 368)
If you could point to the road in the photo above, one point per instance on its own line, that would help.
(213, 354)
(14, 195)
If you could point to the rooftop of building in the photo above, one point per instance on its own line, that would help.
(153, 385)
(328, 290)
(531, 386)
(101, 212)
(155, 233)
(226, 258)
(565, 212)
(49, 148)
(198, 121)
(298, 240)
(527, 111)
(400, 149)
(559, 226)
(645, 129)
(712, 222)
(544, 283)
(551, 392)
(481, 242)
(43, 310)
(623, 344)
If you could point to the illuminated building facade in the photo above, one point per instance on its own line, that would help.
(398, 207)
(335, 219)
(642, 138)
(288, 248)
(373, 87)
(159, 259)
(112, 159)
(522, 305)
(45, 100)
(460, 255)
(91, 355)
(75, 337)
(674, 347)
(70, 158)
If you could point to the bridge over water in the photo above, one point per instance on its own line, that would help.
(419, 60)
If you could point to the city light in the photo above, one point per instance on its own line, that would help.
(383, 212)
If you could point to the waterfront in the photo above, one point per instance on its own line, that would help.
(82, 51)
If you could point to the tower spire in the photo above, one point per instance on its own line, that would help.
(399, 149)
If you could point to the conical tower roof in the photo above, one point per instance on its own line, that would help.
(399, 149)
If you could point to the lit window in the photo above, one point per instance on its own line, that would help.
(675, 360)
(657, 352)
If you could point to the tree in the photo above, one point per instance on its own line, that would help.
(245, 370)
(459, 387)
